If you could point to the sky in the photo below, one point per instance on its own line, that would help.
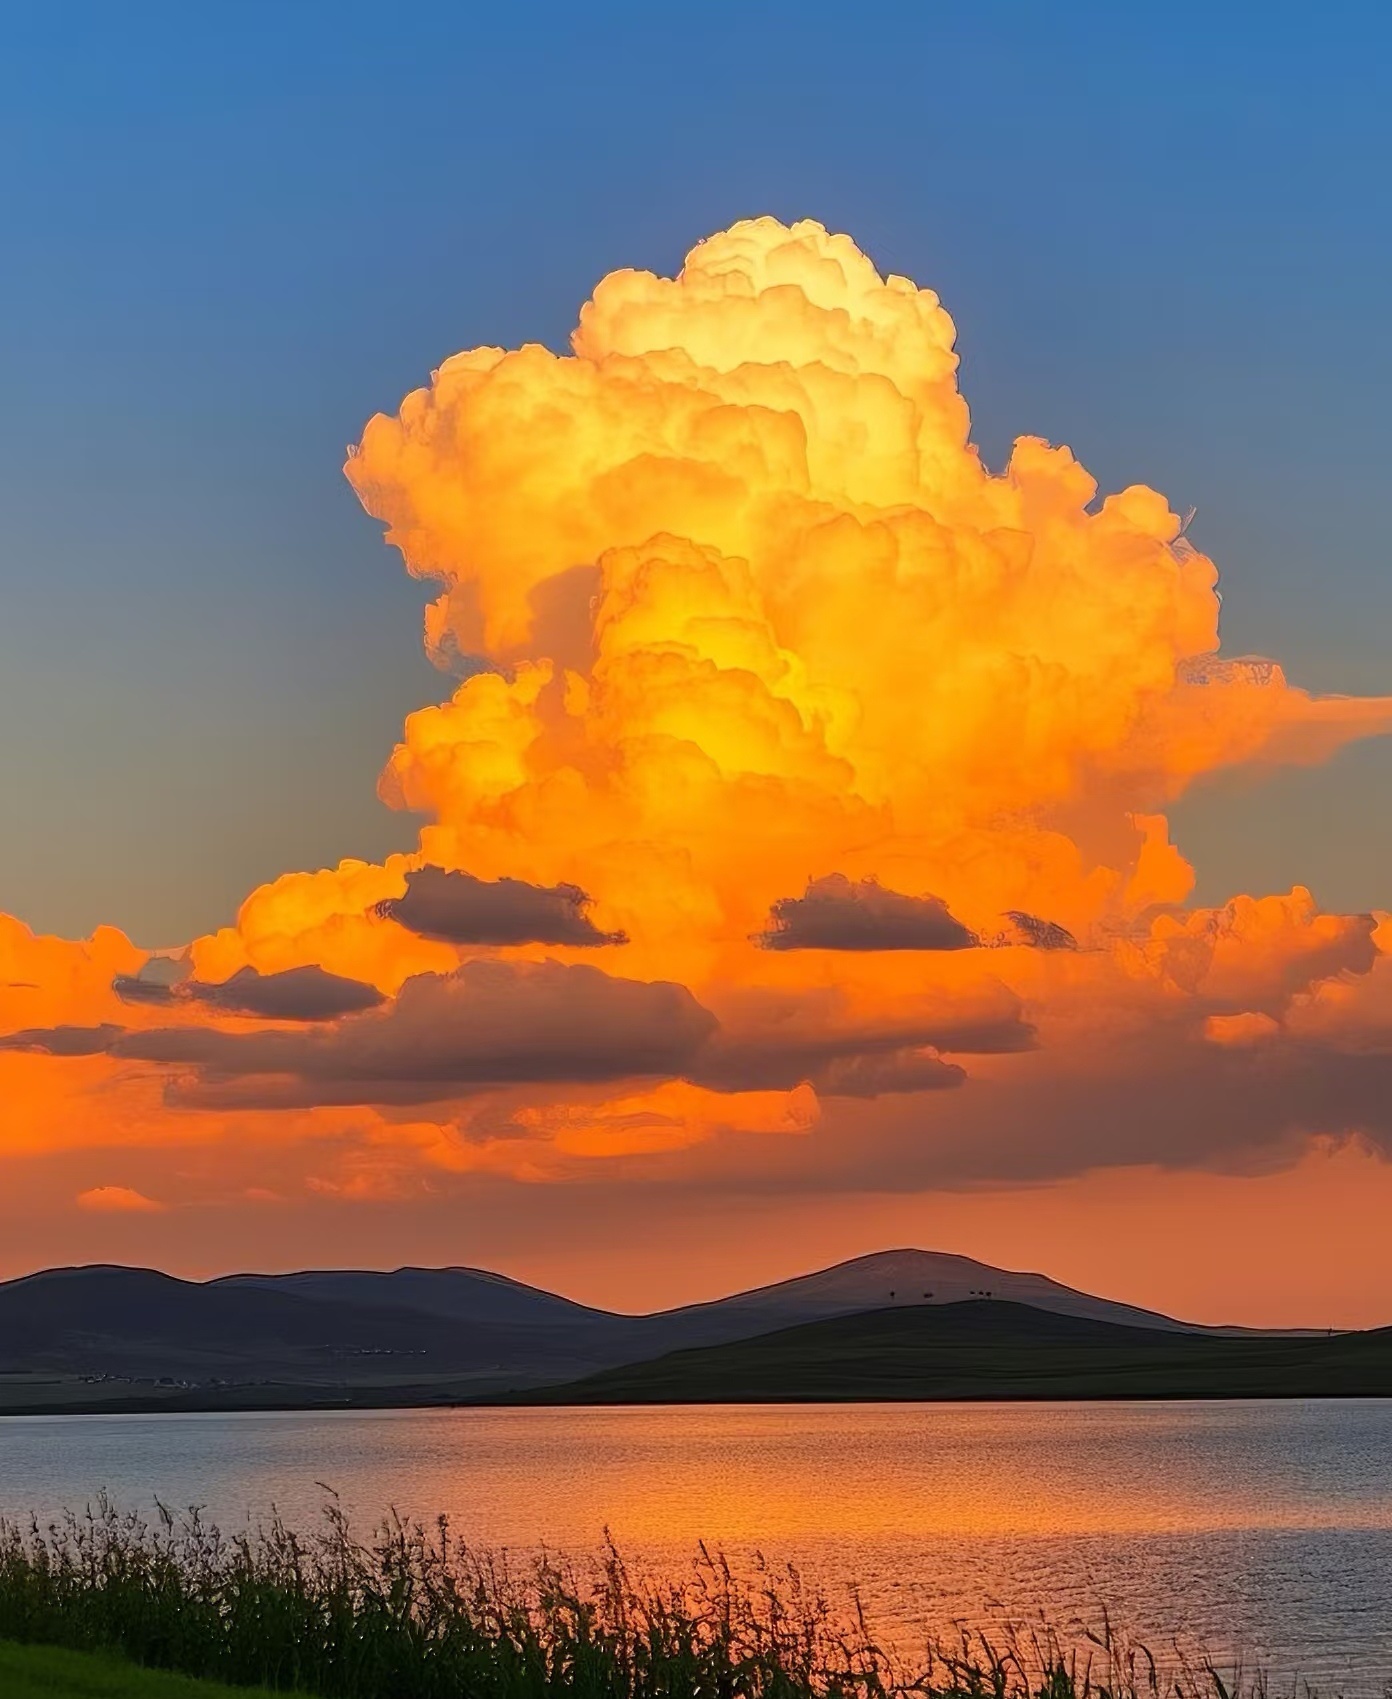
(966, 899)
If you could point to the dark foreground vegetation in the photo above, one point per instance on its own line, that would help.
(991, 1350)
(415, 1614)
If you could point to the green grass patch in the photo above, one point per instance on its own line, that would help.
(54, 1672)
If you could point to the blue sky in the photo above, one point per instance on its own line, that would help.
(231, 234)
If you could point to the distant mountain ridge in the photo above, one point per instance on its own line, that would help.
(108, 1335)
(872, 1281)
(458, 1293)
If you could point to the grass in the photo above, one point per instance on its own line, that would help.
(52, 1672)
(413, 1613)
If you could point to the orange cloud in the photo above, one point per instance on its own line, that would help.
(1249, 1027)
(808, 776)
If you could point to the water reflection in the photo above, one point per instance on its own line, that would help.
(1261, 1528)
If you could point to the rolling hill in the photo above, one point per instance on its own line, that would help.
(885, 1279)
(128, 1332)
(992, 1349)
(113, 1337)
(455, 1294)
(877, 1281)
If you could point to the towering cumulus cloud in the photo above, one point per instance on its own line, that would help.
(807, 777)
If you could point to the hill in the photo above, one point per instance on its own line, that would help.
(883, 1280)
(879, 1280)
(114, 1334)
(456, 1294)
(123, 1338)
(992, 1349)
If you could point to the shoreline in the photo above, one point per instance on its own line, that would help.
(350, 1406)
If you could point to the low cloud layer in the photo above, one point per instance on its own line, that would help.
(496, 1024)
(778, 1041)
(65, 1040)
(487, 1024)
(298, 994)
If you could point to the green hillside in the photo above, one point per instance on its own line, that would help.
(987, 1350)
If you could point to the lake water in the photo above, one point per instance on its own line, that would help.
(1260, 1529)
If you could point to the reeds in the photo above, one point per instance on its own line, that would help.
(415, 1613)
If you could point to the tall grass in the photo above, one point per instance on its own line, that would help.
(414, 1613)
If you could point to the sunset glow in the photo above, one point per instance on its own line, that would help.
(796, 816)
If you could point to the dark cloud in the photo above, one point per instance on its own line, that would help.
(65, 1040)
(1158, 1096)
(775, 1042)
(493, 1024)
(158, 981)
(871, 1075)
(487, 1024)
(456, 908)
(135, 988)
(1166, 1099)
(297, 994)
(1037, 934)
(836, 914)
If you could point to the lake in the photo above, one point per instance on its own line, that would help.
(1260, 1529)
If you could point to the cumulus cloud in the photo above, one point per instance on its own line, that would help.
(456, 908)
(734, 595)
(835, 913)
(1254, 952)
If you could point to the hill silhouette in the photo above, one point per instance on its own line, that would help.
(124, 1338)
(993, 1349)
